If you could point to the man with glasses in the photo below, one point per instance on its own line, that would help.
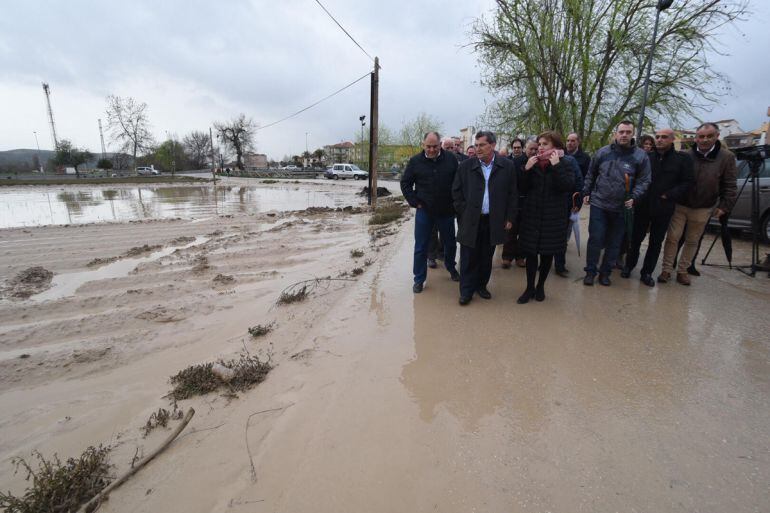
(672, 177)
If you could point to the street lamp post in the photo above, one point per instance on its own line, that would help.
(362, 119)
(662, 6)
(39, 162)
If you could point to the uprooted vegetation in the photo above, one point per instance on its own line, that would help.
(160, 418)
(59, 487)
(356, 253)
(294, 295)
(28, 282)
(357, 271)
(260, 330)
(389, 210)
(233, 375)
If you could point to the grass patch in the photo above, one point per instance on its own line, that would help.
(201, 379)
(59, 487)
(388, 212)
(356, 253)
(288, 297)
(160, 418)
(260, 330)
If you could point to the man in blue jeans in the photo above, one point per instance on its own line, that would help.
(427, 187)
(605, 191)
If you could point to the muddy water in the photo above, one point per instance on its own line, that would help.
(38, 207)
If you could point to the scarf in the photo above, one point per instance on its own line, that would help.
(544, 158)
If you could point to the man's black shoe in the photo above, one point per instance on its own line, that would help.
(692, 271)
(589, 280)
(647, 280)
(432, 263)
(625, 273)
(604, 279)
(417, 288)
(464, 300)
(454, 275)
(484, 293)
(564, 273)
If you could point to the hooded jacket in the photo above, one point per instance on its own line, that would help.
(605, 182)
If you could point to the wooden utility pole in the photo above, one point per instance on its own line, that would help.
(373, 135)
(213, 162)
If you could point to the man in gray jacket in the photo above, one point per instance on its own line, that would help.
(611, 169)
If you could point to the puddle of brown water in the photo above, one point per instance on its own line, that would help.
(38, 207)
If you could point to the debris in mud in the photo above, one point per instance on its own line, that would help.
(368, 262)
(388, 212)
(381, 192)
(200, 264)
(201, 379)
(357, 271)
(223, 279)
(302, 355)
(269, 181)
(96, 262)
(90, 355)
(261, 330)
(181, 241)
(24, 356)
(28, 282)
(379, 233)
(140, 250)
(356, 253)
(60, 487)
(293, 296)
(215, 233)
(160, 418)
(162, 314)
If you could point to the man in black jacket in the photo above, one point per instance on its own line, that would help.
(576, 152)
(672, 177)
(427, 187)
(485, 197)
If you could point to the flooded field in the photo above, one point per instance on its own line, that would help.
(27, 206)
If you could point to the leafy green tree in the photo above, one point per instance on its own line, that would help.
(580, 64)
(104, 164)
(69, 155)
(414, 130)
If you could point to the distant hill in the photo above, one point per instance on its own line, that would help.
(22, 159)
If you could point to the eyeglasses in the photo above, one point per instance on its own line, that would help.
(661, 136)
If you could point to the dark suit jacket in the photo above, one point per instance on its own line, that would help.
(468, 194)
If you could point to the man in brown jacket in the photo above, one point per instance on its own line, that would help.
(715, 183)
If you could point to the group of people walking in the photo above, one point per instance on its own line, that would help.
(524, 202)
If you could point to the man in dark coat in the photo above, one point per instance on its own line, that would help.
(575, 151)
(672, 177)
(427, 187)
(511, 249)
(485, 198)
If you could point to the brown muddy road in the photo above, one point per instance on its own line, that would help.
(596, 400)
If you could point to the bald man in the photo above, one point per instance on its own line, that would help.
(672, 177)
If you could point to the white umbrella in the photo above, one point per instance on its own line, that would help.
(574, 222)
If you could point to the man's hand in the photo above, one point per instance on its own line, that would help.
(508, 225)
(586, 200)
(530, 163)
(419, 205)
(718, 213)
(629, 203)
(663, 196)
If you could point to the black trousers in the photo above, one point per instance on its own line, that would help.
(436, 247)
(657, 226)
(476, 262)
(511, 246)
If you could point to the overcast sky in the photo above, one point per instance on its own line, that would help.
(195, 62)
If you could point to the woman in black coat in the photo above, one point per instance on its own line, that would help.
(547, 181)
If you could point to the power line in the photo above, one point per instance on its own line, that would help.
(316, 103)
(343, 29)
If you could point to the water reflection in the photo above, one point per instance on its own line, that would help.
(30, 207)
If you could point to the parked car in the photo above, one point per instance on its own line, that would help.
(147, 171)
(740, 217)
(344, 171)
(291, 167)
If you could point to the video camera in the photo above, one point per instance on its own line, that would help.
(752, 153)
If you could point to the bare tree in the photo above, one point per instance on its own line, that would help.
(413, 131)
(237, 135)
(197, 145)
(580, 65)
(129, 125)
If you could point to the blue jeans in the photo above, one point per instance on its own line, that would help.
(423, 226)
(605, 231)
